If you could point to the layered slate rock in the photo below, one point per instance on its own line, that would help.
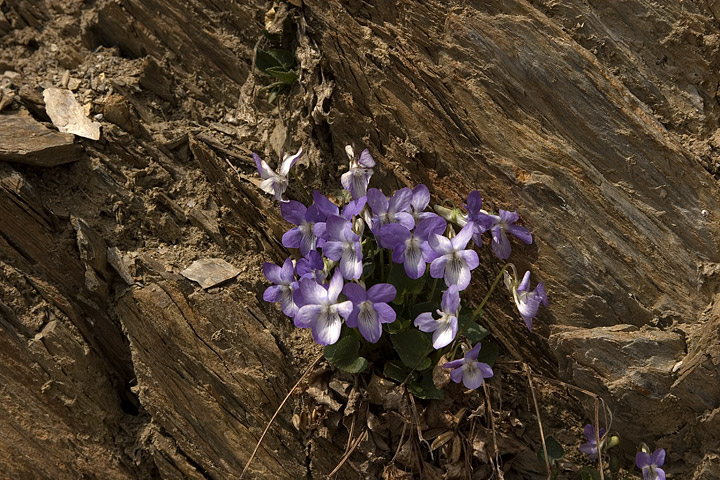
(24, 140)
(496, 96)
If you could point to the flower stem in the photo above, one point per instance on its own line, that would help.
(432, 291)
(382, 265)
(477, 311)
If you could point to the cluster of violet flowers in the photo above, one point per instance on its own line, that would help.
(329, 283)
(649, 463)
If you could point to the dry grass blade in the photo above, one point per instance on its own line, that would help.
(537, 413)
(357, 441)
(597, 439)
(267, 427)
(495, 464)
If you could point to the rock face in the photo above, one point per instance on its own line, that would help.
(498, 97)
(597, 123)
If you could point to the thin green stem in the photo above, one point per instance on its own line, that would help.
(382, 265)
(477, 311)
(432, 291)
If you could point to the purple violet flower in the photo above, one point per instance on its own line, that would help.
(321, 310)
(327, 209)
(420, 201)
(353, 208)
(357, 178)
(482, 221)
(302, 236)
(468, 370)
(527, 302)
(502, 225)
(311, 266)
(275, 183)
(344, 245)
(454, 262)
(650, 464)
(283, 278)
(444, 328)
(590, 448)
(390, 210)
(411, 248)
(370, 308)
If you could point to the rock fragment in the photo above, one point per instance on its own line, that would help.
(209, 272)
(68, 115)
(24, 140)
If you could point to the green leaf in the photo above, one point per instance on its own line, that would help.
(414, 286)
(399, 325)
(284, 57)
(423, 307)
(368, 269)
(412, 346)
(589, 473)
(476, 333)
(425, 388)
(488, 353)
(554, 449)
(395, 370)
(344, 355)
(397, 279)
(287, 77)
(264, 61)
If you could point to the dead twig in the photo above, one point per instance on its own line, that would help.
(267, 427)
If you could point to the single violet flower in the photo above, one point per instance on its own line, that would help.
(357, 178)
(411, 248)
(327, 209)
(502, 225)
(468, 370)
(444, 328)
(370, 308)
(302, 236)
(275, 183)
(311, 266)
(390, 210)
(419, 202)
(321, 310)
(454, 262)
(590, 447)
(527, 302)
(482, 221)
(342, 244)
(353, 208)
(650, 464)
(283, 278)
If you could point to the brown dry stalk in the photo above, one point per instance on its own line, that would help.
(496, 463)
(357, 441)
(606, 411)
(597, 439)
(537, 414)
(267, 427)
